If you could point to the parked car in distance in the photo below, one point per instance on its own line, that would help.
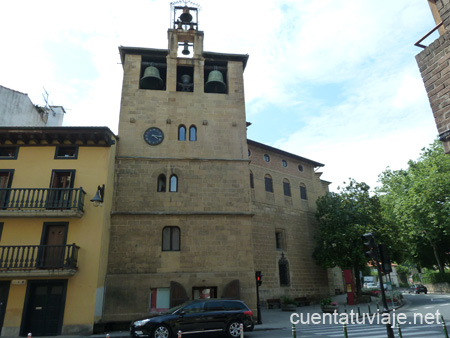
(418, 288)
(197, 316)
(370, 286)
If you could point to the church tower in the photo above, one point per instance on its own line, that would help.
(181, 226)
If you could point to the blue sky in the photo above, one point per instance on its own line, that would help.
(333, 81)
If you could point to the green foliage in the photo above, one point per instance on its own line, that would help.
(325, 301)
(288, 300)
(435, 277)
(343, 217)
(416, 206)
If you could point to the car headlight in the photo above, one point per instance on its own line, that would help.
(141, 322)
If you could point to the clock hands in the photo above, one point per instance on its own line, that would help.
(157, 136)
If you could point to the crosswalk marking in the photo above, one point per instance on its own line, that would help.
(368, 331)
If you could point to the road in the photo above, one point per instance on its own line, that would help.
(418, 315)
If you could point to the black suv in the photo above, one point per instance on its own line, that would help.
(418, 288)
(197, 316)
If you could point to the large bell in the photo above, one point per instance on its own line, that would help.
(186, 17)
(151, 79)
(215, 82)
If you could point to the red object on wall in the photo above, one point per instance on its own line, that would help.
(350, 287)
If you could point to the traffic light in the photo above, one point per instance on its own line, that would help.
(258, 276)
(384, 257)
(370, 246)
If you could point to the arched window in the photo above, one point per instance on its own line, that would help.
(171, 239)
(286, 187)
(252, 183)
(192, 133)
(303, 195)
(161, 183)
(181, 133)
(283, 271)
(268, 183)
(173, 187)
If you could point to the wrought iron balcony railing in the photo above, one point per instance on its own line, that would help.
(42, 199)
(29, 257)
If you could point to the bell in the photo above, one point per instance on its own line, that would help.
(151, 79)
(215, 82)
(185, 79)
(186, 17)
(186, 50)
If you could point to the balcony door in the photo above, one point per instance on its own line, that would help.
(5, 182)
(60, 197)
(54, 237)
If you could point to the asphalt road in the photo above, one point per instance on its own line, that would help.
(418, 318)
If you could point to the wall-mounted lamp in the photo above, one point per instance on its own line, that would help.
(98, 198)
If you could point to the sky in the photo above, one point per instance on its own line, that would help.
(332, 81)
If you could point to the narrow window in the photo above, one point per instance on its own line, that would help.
(279, 239)
(192, 133)
(284, 163)
(283, 270)
(303, 195)
(173, 183)
(161, 183)
(252, 183)
(266, 158)
(171, 239)
(268, 183)
(181, 133)
(1, 230)
(286, 187)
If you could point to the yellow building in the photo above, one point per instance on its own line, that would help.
(53, 240)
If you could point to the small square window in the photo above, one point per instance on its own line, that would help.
(9, 153)
(66, 152)
(279, 239)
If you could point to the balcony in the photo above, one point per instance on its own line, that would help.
(38, 260)
(41, 202)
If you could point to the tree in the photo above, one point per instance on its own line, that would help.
(417, 202)
(343, 217)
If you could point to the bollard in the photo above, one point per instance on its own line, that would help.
(294, 332)
(378, 307)
(345, 331)
(444, 327)
(107, 335)
(241, 327)
(399, 330)
(179, 333)
(359, 312)
(370, 312)
(29, 335)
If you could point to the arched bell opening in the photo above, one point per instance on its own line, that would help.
(153, 74)
(185, 79)
(215, 78)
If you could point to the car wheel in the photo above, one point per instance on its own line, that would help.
(425, 292)
(234, 329)
(161, 331)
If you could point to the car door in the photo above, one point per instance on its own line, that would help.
(190, 318)
(215, 317)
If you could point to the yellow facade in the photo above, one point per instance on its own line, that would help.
(88, 229)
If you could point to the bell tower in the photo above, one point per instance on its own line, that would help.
(181, 226)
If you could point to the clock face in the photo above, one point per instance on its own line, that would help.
(153, 136)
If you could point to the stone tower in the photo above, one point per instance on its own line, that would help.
(181, 226)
